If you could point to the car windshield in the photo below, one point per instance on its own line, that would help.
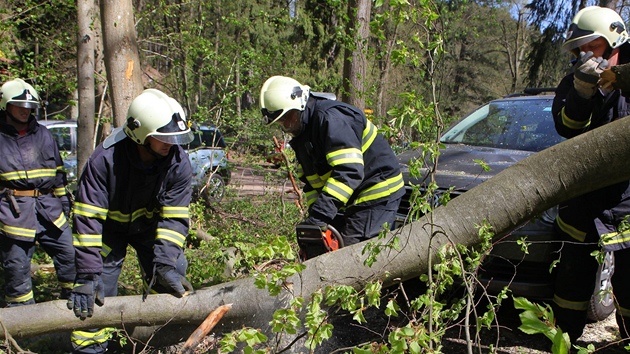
(63, 138)
(208, 138)
(519, 124)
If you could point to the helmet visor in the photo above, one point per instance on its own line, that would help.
(577, 37)
(176, 132)
(270, 117)
(180, 138)
(25, 104)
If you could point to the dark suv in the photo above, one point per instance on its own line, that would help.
(500, 134)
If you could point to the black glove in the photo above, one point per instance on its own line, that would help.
(88, 289)
(312, 221)
(170, 278)
(587, 74)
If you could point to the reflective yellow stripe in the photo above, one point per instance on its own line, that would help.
(616, 237)
(105, 250)
(24, 298)
(172, 236)
(311, 197)
(570, 230)
(60, 192)
(369, 134)
(382, 189)
(66, 285)
(175, 212)
(574, 124)
(126, 218)
(15, 175)
(344, 156)
(571, 305)
(315, 181)
(299, 171)
(338, 190)
(17, 231)
(85, 240)
(61, 220)
(622, 311)
(85, 338)
(90, 211)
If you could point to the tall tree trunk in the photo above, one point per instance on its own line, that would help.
(122, 60)
(505, 201)
(86, 14)
(355, 64)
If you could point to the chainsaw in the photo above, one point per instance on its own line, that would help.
(314, 242)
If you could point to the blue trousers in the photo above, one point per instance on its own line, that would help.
(16, 261)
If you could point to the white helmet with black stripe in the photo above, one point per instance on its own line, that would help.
(153, 113)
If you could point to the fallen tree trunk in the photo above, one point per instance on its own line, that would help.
(509, 199)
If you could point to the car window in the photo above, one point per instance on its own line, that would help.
(207, 137)
(63, 137)
(507, 124)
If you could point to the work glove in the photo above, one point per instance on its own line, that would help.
(312, 221)
(170, 278)
(587, 74)
(88, 289)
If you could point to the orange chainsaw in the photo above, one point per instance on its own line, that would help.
(314, 242)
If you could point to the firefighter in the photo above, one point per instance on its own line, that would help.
(134, 190)
(597, 37)
(34, 203)
(351, 177)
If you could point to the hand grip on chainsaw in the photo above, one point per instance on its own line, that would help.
(314, 242)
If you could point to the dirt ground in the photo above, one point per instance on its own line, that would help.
(248, 181)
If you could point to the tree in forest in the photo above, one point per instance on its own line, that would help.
(355, 57)
(124, 72)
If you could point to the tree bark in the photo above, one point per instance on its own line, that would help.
(355, 64)
(121, 55)
(86, 13)
(507, 200)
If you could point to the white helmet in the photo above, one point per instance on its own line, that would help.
(18, 93)
(153, 113)
(280, 94)
(593, 22)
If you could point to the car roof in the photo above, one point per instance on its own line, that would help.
(65, 123)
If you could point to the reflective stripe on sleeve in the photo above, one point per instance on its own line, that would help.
(61, 220)
(369, 134)
(171, 236)
(382, 189)
(338, 190)
(574, 124)
(345, 156)
(90, 211)
(311, 197)
(60, 192)
(175, 212)
(616, 237)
